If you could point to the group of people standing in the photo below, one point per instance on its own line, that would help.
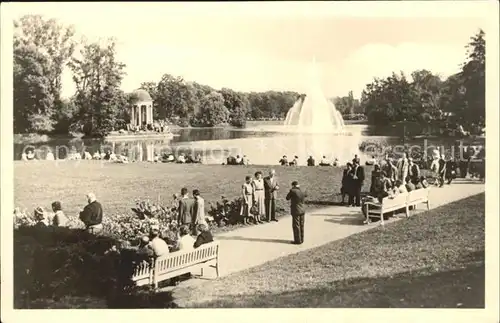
(259, 198)
(353, 179)
(190, 211)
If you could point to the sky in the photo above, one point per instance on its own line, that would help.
(265, 46)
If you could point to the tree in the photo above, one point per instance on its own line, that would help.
(429, 89)
(473, 76)
(98, 77)
(41, 50)
(237, 105)
(175, 97)
(33, 100)
(213, 112)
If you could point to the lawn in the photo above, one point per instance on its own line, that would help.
(433, 260)
(118, 186)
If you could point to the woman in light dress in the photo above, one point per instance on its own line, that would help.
(247, 199)
(258, 196)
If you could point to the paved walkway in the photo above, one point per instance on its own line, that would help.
(252, 246)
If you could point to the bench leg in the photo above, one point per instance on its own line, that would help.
(381, 217)
(217, 268)
(407, 210)
(428, 206)
(202, 272)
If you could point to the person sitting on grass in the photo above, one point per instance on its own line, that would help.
(238, 160)
(158, 245)
(60, 219)
(295, 161)
(204, 237)
(283, 161)
(186, 241)
(245, 161)
(324, 162)
(311, 161)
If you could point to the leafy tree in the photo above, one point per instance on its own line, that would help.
(98, 77)
(175, 97)
(41, 50)
(33, 100)
(213, 112)
(473, 76)
(237, 105)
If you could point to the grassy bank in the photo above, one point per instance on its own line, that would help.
(117, 186)
(435, 259)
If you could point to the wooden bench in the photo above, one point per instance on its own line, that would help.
(400, 201)
(176, 264)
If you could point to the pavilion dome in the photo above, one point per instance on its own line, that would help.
(142, 95)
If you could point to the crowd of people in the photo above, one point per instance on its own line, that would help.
(310, 161)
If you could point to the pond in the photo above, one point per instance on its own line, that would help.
(260, 142)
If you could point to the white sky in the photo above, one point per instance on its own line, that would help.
(265, 46)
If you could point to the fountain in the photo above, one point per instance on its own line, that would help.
(313, 112)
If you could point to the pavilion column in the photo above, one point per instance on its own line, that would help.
(151, 113)
(140, 115)
(132, 115)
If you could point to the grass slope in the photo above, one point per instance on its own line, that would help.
(117, 186)
(435, 259)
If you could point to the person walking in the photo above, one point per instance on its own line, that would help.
(271, 188)
(297, 197)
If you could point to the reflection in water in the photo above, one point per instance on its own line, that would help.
(213, 144)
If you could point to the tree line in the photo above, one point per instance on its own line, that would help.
(44, 47)
(429, 99)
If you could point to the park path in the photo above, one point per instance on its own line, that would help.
(252, 246)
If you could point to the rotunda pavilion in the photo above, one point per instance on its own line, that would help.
(142, 110)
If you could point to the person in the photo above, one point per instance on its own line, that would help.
(358, 176)
(199, 208)
(144, 250)
(40, 217)
(271, 188)
(245, 161)
(247, 199)
(158, 245)
(380, 190)
(258, 197)
(24, 156)
(186, 241)
(399, 187)
(175, 203)
(185, 210)
(424, 182)
(311, 161)
(441, 170)
(238, 160)
(296, 197)
(451, 170)
(295, 161)
(50, 155)
(92, 214)
(391, 170)
(346, 188)
(30, 155)
(371, 161)
(60, 219)
(284, 161)
(403, 167)
(413, 171)
(204, 237)
(324, 162)
(375, 182)
(181, 159)
(409, 185)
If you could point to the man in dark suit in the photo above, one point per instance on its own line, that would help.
(296, 197)
(271, 188)
(186, 210)
(358, 178)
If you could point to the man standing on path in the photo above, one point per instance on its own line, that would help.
(296, 197)
(357, 182)
(270, 192)
(185, 211)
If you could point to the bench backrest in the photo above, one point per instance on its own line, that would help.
(142, 272)
(182, 259)
(398, 201)
(418, 195)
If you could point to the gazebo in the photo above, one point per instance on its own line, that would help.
(142, 110)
